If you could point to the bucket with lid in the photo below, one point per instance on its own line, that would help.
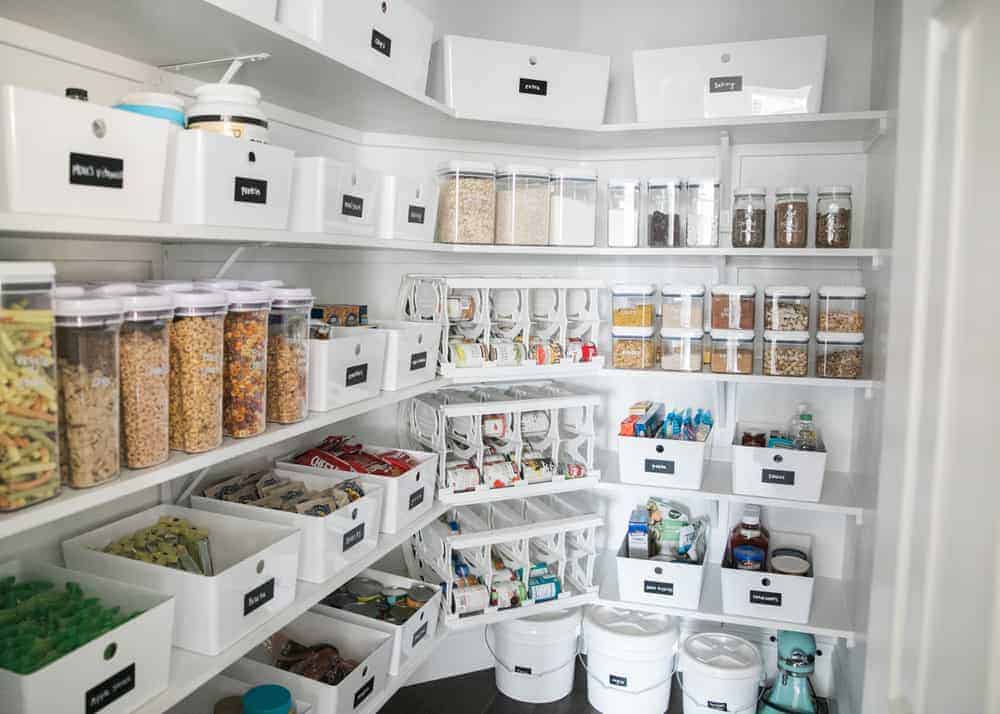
(719, 672)
(535, 656)
(630, 658)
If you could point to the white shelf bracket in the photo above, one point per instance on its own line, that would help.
(881, 130)
(233, 257)
(869, 392)
(722, 406)
(877, 261)
(235, 64)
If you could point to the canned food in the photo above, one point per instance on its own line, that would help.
(535, 422)
(579, 351)
(545, 352)
(508, 593)
(394, 595)
(575, 470)
(339, 599)
(399, 614)
(536, 468)
(365, 609)
(499, 471)
(504, 574)
(461, 307)
(364, 589)
(461, 569)
(544, 587)
(467, 353)
(473, 598)
(507, 353)
(419, 594)
(462, 475)
(496, 426)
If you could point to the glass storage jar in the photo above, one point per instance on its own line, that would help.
(732, 351)
(791, 217)
(29, 436)
(466, 202)
(664, 220)
(244, 367)
(288, 355)
(632, 305)
(522, 206)
(196, 358)
(682, 306)
(733, 307)
(786, 354)
(749, 217)
(681, 349)
(786, 308)
(833, 217)
(87, 332)
(840, 308)
(701, 207)
(634, 348)
(623, 213)
(840, 355)
(573, 207)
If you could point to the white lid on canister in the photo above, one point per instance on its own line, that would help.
(168, 286)
(626, 182)
(632, 331)
(523, 170)
(262, 284)
(198, 299)
(750, 191)
(662, 181)
(728, 335)
(843, 338)
(244, 299)
(644, 289)
(718, 655)
(575, 173)
(780, 291)
(291, 297)
(834, 190)
(740, 290)
(87, 306)
(786, 336)
(672, 290)
(22, 271)
(67, 291)
(616, 630)
(695, 333)
(545, 628)
(704, 180)
(789, 565)
(116, 289)
(478, 168)
(217, 284)
(841, 291)
(238, 93)
(146, 304)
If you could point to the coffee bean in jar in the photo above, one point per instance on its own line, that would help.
(833, 217)
(749, 216)
(791, 217)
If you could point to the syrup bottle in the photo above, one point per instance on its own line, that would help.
(748, 541)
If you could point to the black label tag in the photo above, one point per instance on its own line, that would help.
(418, 634)
(258, 596)
(352, 206)
(717, 85)
(362, 694)
(353, 537)
(416, 498)
(717, 706)
(250, 190)
(657, 466)
(110, 690)
(415, 214)
(101, 171)
(762, 597)
(381, 43)
(780, 478)
(357, 374)
(533, 86)
(418, 360)
(617, 681)
(657, 588)
(522, 670)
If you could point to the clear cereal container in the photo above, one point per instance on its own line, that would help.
(786, 354)
(87, 333)
(786, 308)
(732, 351)
(573, 207)
(664, 220)
(840, 355)
(840, 308)
(196, 358)
(681, 349)
(522, 207)
(29, 438)
(701, 206)
(466, 202)
(733, 307)
(288, 355)
(244, 366)
(682, 306)
(632, 305)
(634, 348)
(623, 213)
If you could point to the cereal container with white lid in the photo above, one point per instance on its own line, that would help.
(623, 213)
(682, 349)
(466, 202)
(732, 351)
(244, 370)
(786, 308)
(840, 308)
(786, 354)
(634, 348)
(573, 207)
(288, 355)
(733, 307)
(682, 306)
(522, 205)
(632, 305)
(840, 355)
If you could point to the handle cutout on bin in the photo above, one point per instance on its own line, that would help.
(110, 651)
(99, 128)
(252, 157)
(357, 349)
(778, 458)
(260, 567)
(354, 514)
(765, 582)
(659, 448)
(658, 570)
(364, 672)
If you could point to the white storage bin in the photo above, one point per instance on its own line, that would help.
(407, 209)
(536, 656)
(414, 635)
(667, 463)
(327, 543)
(259, 10)
(346, 368)
(330, 196)
(657, 582)
(370, 648)
(503, 81)
(782, 76)
(205, 697)
(777, 473)
(112, 674)
(773, 596)
(255, 565)
(411, 353)
(74, 158)
(218, 180)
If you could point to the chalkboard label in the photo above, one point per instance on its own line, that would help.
(657, 588)
(381, 43)
(776, 477)
(762, 597)
(717, 706)
(419, 634)
(522, 670)
(416, 498)
(415, 214)
(362, 694)
(248, 190)
(539, 87)
(258, 596)
(353, 537)
(418, 360)
(617, 681)
(353, 206)
(357, 374)
(110, 690)
(100, 171)
(718, 85)
(658, 466)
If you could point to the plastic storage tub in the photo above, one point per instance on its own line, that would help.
(411, 354)
(840, 355)
(536, 656)
(667, 463)
(732, 351)
(681, 349)
(466, 211)
(664, 218)
(733, 307)
(288, 355)
(682, 306)
(330, 196)
(407, 209)
(658, 582)
(244, 369)
(840, 308)
(632, 305)
(720, 672)
(786, 308)
(573, 207)
(777, 473)
(701, 206)
(346, 368)
(785, 354)
(522, 209)
(634, 348)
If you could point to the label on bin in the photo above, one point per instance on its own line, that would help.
(657, 588)
(416, 498)
(762, 597)
(617, 681)
(354, 536)
(257, 597)
(777, 477)
(418, 360)
(717, 706)
(101, 171)
(533, 86)
(362, 694)
(415, 214)
(522, 670)
(717, 85)
(418, 635)
(357, 374)
(353, 206)
(659, 466)
(381, 43)
(248, 190)
(110, 690)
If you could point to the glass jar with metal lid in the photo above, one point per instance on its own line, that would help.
(623, 213)
(840, 308)
(840, 355)
(786, 308)
(466, 202)
(522, 205)
(681, 349)
(749, 217)
(786, 354)
(732, 351)
(701, 206)
(791, 217)
(833, 217)
(573, 207)
(664, 219)
(244, 370)
(288, 355)
(682, 306)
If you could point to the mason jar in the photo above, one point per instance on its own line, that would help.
(833, 217)
(791, 217)
(749, 217)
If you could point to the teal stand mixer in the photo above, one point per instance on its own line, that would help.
(792, 692)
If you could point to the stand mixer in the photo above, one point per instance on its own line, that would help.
(792, 692)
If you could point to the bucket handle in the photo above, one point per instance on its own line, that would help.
(533, 675)
(749, 708)
(673, 670)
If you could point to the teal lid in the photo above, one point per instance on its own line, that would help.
(267, 699)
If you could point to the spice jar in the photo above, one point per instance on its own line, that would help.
(288, 355)
(522, 206)
(623, 213)
(229, 109)
(196, 358)
(244, 366)
(466, 202)
(840, 355)
(683, 306)
(664, 221)
(701, 206)
(87, 332)
(28, 421)
(786, 354)
(634, 348)
(786, 308)
(632, 305)
(732, 351)
(840, 308)
(573, 207)
(681, 349)
(833, 217)
(749, 216)
(791, 217)
(733, 307)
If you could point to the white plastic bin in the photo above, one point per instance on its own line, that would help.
(328, 543)
(112, 674)
(330, 196)
(773, 596)
(536, 656)
(411, 354)
(219, 180)
(75, 158)
(407, 209)
(255, 563)
(777, 473)
(346, 368)
(719, 673)
(668, 463)
(657, 582)
(503, 81)
(205, 697)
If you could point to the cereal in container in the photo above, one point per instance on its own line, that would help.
(840, 308)
(732, 351)
(244, 370)
(786, 353)
(840, 355)
(632, 305)
(288, 355)
(786, 308)
(466, 202)
(634, 348)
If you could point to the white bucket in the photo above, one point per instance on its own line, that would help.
(536, 656)
(630, 659)
(719, 672)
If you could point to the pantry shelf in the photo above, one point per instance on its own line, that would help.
(522, 489)
(866, 384)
